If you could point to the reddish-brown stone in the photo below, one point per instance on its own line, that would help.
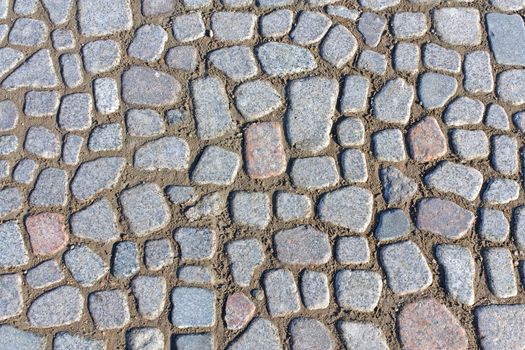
(239, 311)
(264, 151)
(428, 325)
(443, 217)
(426, 140)
(47, 233)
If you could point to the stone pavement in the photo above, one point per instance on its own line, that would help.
(268, 174)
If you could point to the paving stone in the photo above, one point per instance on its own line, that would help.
(125, 259)
(158, 253)
(149, 87)
(103, 17)
(233, 26)
(4, 9)
(260, 334)
(463, 111)
(239, 311)
(256, 99)
(291, 206)
(309, 333)
(95, 222)
(71, 70)
(280, 59)
(25, 171)
(196, 4)
(350, 132)
(165, 153)
(245, 255)
(47, 233)
(25, 7)
(434, 90)
(10, 201)
(343, 12)
(393, 102)
(250, 209)
(5, 169)
(499, 326)
(310, 27)
(150, 294)
(499, 271)
(9, 59)
(314, 172)
(8, 144)
(455, 178)
(518, 119)
(237, 3)
(148, 43)
(194, 274)
(314, 290)
(441, 59)
(13, 250)
(105, 91)
(76, 112)
(157, 7)
(311, 106)
(8, 115)
(405, 57)
(378, 5)
(372, 61)
(4, 28)
(86, 266)
(11, 298)
(41, 103)
(183, 58)
(211, 204)
(443, 217)
(508, 5)
(145, 208)
(352, 250)
(144, 338)
(362, 335)
(212, 115)
(504, 157)
(353, 166)
(192, 307)
(109, 309)
(276, 23)
(500, 191)
(216, 166)
(349, 207)
(28, 32)
(506, 35)
(388, 145)
(371, 26)
(358, 290)
(50, 188)
(58, 10)
(509, 86)
(392, 224)
(496, 117)
(428, 324)
(44, 274)
(457, 25)
(457, 266)
(469, 144)
(66, 341)
(95, 176)
(61, 306)
(426, 140)
(37, 71)
(188, 27)
(194, 341)
(101, 56)
(195, 243)
(25, 340)
(302, 245)
(282, 297)
(409, 25)
(42, 142)
(405, 267)
(63, 39)
(105, 137)
(478, 77)
(493, 225)
(354, 95)
(144, 123)
(236, 62)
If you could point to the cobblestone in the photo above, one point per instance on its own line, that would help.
(426, 140)
(309, 333)
(302, 245)
(314, 290)
(458, 268)
(150, 295)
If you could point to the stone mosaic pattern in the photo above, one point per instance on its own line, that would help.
(265, 174)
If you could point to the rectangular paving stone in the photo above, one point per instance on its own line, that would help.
(282, 296)
(499, 271)
(354, 94)
(506, 34)
(192, 307)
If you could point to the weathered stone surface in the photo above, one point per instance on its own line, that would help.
(67, 341)
(338, 46)
(216, 166)
(455, 178)
(158, 253)
(434, 90)
(260, 334)
(309, 334)
(352, 250)
(388, 145)
(144, 338)
(44, 274)
(427, 324)
(264, 150)
(47, 233)
(282, 296)
(310, 27)
(276, 23)
(24, 340)
(353, 165)
(149, 87)
(10, 201)
(233, 26)
(443, 217)
(499, 272)
(239, 310)
(256, 99)
(168, 152)
(245, 256)
(354, 95)
(50, 188)
(397, 187)
(469, 144)
(362, 335)
(507, 38)
(105, 137)
(236, 62)
(192, 307)
(510, 87)
(280, 59)
(371, 26)
(457, 265)
(478, 73)
(37, 71)
(250, 209)
(103, 17)
(11, 299)
(457, 25)
(96, 222)
(393, 102)
(86, 266)
(101, 55)
(499, 326)
(358, 290)
(211, 204)
(195, 243)
(13, 250)
(314, 172)
(303, 245)
(150, 293)
(314, 290)
(500, 191)
(58, 307)
(96, 176)
(108, 309)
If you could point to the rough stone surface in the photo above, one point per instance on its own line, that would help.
(393, 102)
(314, 290)
(455, 178)
(47, 233)
(86, 266)
(309, 333)
(96, 176)
(264, 150)
(58, 307)
(358, 290)
(434, 90)
(149, 87)
(282, 296)
(457, 265)
(150, 293)
(280, 59)
(499, 326)
(11, 298)
(303, 245)
(245, 256)
(443, 217)
(109, 309)
(184, 314)
(216, 166)
(362, 335)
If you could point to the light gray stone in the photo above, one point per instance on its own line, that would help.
(188, 27)
(61, 306)
(192, 307)
(518, 119)
(8, 115)
(392, 224)
(28, 32)
(71, 69)
(50, 188)
(499, 271)
(352, 250)
(44, 275)
(455, 178)
(500, 191)
(183, 58)
(310, 27)
(518, 226)
(42, 142)
(314, 290)
(86, 266)
(388, 145)
(510, 86)
(41, 103)
(144, 123)
(478, 77)
(493, 225)
(216, 166)
(10, 201)
(245, 255)
(378, 5)
(145, 208)
(406, 267)
(291, 206)
(11, 298)
(103, 17)
(409, 25)
(211, 204)
(194, 274)
(195, 243)
(282, 296)
(157, 7)
(125, 259)
(105, 137)
(302, 245)
(144, 338)
(504, 157)
(150, 294)
(469, 144)
(371, 26)
(158, 253)
(59, 10)
(362, 335)
(149, 87)
(354, 94)
(95, 176)
(180, 194)
(406, 57)
(314, 172)
(250, 209)
(350, 132)
(9, 58)
(233, 26)
(95, 222)
(463, 111)
(109, 309)
(25, 7)
(358, 290)
(165, 153)
(280, 59)
(236, 62)
(393, 103)
(8, 144)
(309, 332)
(276, 23)
(256, 99)
(439, 58)
(105, 91)
(38, 71)
(260, 333)
(457, 25)
(76, 112)
(353, 166)
(67, 341)
(499, 326)
(202, 341)
(13, 250)
(457, 265)
(372, 61)
(338, 46)
(148, 43)
(506, 35)
(434, 90)
(101, 55)
(24, 340)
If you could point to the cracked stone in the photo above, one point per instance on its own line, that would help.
(260, 334)
(211, 204)
(216, 166)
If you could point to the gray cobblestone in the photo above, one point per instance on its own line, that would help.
(109, 309)
(457, 265)
(392, 224)
(11, 299)
(493, 225)
(282, 296)
(499, 271)
(314, 290)
(358, 290)
(86, 266)
(371, 26)
(150, 295)
(192, 307)
(61, 306)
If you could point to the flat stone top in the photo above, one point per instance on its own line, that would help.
(204, 174)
